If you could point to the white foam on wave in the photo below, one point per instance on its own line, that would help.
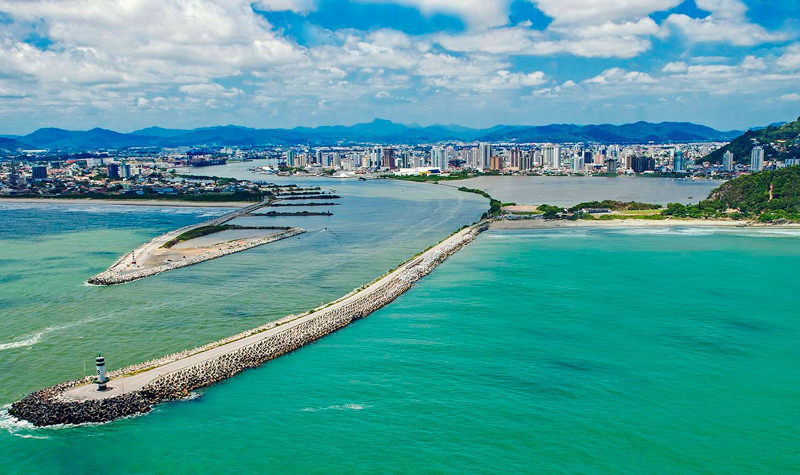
(26, 342)
(17, 427)
(34, 338)
(667, 231)
(336, 407)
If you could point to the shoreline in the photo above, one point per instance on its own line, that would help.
(165, 203)
(631, 223)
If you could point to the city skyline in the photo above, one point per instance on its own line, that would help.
(285, 63)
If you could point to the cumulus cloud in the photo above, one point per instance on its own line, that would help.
(590, 12)
(790, 60)
(726, 23)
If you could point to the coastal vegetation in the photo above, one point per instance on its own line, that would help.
(614, 205)
(495, 206)
(768, 196)
(456, 175)
(199, 232)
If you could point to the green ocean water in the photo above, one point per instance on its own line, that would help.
(569, 351)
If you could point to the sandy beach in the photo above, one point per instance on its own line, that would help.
(629, 223)
(168, 203)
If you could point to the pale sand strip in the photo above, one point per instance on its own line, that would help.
(166, 203)
(630, 223)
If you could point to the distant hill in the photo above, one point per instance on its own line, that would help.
(12, 146)
(779, 141)
(377, 131)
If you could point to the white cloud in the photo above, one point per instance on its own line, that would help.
(621, 40)
(620, 76)
(297, 6)
(726, 23)
(791, 97)
(593, 12)
(752, 62)
(675, 67)
(790, 60)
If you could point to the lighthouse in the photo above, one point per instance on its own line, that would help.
(101, 373)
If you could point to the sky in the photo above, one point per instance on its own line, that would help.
(129, 64)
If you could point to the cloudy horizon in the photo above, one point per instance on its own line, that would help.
(126, 65)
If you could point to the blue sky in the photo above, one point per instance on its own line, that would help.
(127, 64)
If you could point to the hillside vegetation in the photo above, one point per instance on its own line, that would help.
(767, 196)
(779, 143)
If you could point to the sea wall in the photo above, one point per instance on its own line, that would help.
(112, 276)
(47, 407)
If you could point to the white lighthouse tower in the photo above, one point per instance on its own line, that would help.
(101, 373)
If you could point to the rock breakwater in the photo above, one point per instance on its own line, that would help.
(223, 359)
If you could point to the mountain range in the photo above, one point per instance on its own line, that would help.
(378, 131)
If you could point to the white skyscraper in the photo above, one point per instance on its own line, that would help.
(485, 155)
(727, 161)
(757, 159)
(577, 162)
(438, 158)
(552, 156)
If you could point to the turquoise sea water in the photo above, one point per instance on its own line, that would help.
(631, 350)
(572, 351)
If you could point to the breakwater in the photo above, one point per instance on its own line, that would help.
(118, 274)
(136, 389)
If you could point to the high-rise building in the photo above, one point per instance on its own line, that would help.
(319, 157)
(678, 163)
(290, 158)
(538, 158)
(577, 163)
(552, 156)
(485, 155)
(39, 172)
(387, 158)
(757, 159)
(438, 158)
(516, 155)
(525, 161)
(496, 162)
(643, 164)
(727, 161)
(113, 170)
(611, 165)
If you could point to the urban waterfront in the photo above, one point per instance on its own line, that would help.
(589, 351)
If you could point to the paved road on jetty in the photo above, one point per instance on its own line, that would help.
(123, 385)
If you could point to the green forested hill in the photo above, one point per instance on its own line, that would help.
(779, 143)
(766, 196)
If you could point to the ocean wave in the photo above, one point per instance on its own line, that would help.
(336, 407)
(667, 231)
(17, 427)
(26, 342)
(34, 338)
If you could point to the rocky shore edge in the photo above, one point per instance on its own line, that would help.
(113, 277)
(47, 407)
